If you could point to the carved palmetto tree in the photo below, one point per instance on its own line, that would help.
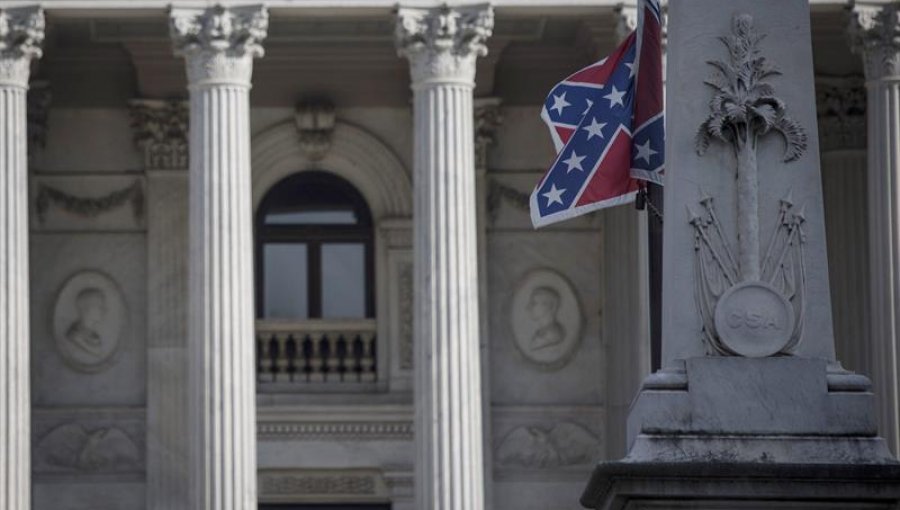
(744, 109)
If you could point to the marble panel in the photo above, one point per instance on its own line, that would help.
(88, 140)
(539, 494)
(554, 441)
(99, 443)
(120, 259)
(578, 377)
(523, 142)
(88, 496)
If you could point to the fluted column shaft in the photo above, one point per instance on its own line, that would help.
(442, 45)
(19, 44)
(874, 30)
(219, 45)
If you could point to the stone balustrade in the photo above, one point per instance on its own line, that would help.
(315, 351)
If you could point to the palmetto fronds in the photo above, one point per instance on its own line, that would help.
(744, 106)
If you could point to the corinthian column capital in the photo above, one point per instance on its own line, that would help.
(875, 34)
(442, 43)
(21, 35)
(219, 43)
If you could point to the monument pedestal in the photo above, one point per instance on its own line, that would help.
(701, 485)
(727, 432)
(752, 409)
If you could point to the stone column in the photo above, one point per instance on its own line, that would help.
(442, 45)
(219, 45)
(21, 33)
(161, 130)
(874, 31)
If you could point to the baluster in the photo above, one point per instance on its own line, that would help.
(367, 363)
(306, 362)
(333, 360)
(291, 351)
(358, 350)
(342, 356)
(282, 360)
(316, 360)
(272, 358)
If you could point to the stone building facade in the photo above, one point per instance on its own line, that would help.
(299, 234)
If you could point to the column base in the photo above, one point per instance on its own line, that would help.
(731, 486)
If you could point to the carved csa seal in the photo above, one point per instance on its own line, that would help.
(754, 320)
(546, 319)
(88, 320)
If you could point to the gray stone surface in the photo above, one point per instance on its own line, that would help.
(733, 486)
(694, 29)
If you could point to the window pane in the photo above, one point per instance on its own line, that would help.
(343, 280)
(285, 281)
(335, 217)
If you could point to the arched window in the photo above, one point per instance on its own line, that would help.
(314, 250)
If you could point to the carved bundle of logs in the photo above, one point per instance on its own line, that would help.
(316, 351)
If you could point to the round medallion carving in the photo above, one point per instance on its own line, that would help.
(754, 320)
(88, 320)
(546, 319)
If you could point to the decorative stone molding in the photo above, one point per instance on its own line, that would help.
(561, 445)
(161, 132)
(219, 42)
(875, 34)
(626, 20)
(752, 303)
(89, 207)
(89, 318)
(405, 304)
(74, 447)
(499, 192)
(275, 484)
(546, 319)
(841, 104)
(442, 43)
(21, 35)
(323, 485)
(38, 99)
(356, 155)
(315, 125)
(336, 431)
(488, 118)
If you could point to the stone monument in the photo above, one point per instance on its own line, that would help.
(751, 405)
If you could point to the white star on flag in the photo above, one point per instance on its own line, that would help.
(644, 151)
(554, 196)
(630, 66)
(615, 97)
(574, 162)
(559, 102)
(595, 129)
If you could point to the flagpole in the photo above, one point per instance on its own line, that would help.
(655, 257)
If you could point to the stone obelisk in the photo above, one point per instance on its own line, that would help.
(751, 404)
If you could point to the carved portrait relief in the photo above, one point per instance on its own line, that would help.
(88, 321)
(546, 319)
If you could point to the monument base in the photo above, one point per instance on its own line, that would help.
(730, 433)
(733, 486)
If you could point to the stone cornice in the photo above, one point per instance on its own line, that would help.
(219, 43)
(874, 32)
(21, 35)
(442, 43)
